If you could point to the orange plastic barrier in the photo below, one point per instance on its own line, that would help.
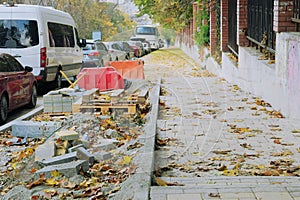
(130, 69)
(104, 78)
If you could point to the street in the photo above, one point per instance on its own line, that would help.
(204, 138)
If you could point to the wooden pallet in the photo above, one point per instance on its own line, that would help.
(105, 102)
(105, 108)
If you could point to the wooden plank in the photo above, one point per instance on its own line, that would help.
(116, 95)
(131, 108)
(143, 95)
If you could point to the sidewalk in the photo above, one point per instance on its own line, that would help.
(217, 141)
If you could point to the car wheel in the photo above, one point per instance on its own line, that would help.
(3, 109)
(33, 97)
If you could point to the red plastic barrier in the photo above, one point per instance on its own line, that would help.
(130, 69)
(104, 78)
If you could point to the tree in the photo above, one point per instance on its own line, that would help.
(174, 14)
(90, 15)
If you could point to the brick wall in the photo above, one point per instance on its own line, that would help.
(242, 22)
(224, 23)
(213, 28)
(283, 12)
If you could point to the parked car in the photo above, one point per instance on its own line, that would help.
(146, 44)
(43, 38)
(127, 48)
(115, 51)
(138, 48)
(95, 54)
(161, 43)
(18, 86)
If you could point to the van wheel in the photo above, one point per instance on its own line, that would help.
(58, 80)
(3, 109)
(33, 98)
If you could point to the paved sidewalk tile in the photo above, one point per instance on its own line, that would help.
(184, 196)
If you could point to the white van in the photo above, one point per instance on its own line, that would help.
(41, 37)
(150, 33)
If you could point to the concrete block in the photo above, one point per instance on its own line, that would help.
(74, 148)
(67, 135)
(84, 154)
(86, 144)
(34, 129)
(102, 155)
(45, 151)
(69, 157)
(106, 145)
(69, 169)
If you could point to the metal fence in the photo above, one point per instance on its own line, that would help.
(260, 23)
(232, 27)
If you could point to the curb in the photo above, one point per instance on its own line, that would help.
(138, 186)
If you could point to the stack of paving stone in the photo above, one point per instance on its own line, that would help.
(60, 101)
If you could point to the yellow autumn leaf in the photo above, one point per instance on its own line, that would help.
(14, 165)
(126, 160)
(55, 173)
(230, 172)
(51, 182)
(29, 151)
(160, 182)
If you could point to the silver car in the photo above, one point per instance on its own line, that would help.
(115, 51)
(95, 54)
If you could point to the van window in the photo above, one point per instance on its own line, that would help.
(60, 35)
(18, 33)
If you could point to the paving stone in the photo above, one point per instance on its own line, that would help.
(45, 151)
(67, 135)
(60, 159)
(273, 195)
(74, 148)
(84, 154)
(34, 129)
(105, 145)
(184, 196)
(18, 192)
(69, 169)
(102, 155)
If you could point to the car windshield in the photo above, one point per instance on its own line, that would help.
(18, 33)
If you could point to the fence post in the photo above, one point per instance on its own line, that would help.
(242, 22)
(224, 25)
(283, 13)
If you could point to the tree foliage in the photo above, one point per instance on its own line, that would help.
(174, 14)
(90, 15)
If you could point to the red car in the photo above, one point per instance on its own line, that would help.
(18, 86)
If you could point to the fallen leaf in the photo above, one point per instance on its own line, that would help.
(277, 141)
(222, 151)
(160, 182)
(51, 182)
(37, 182)
(222, 168)
(126, 160)
(214, 195)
